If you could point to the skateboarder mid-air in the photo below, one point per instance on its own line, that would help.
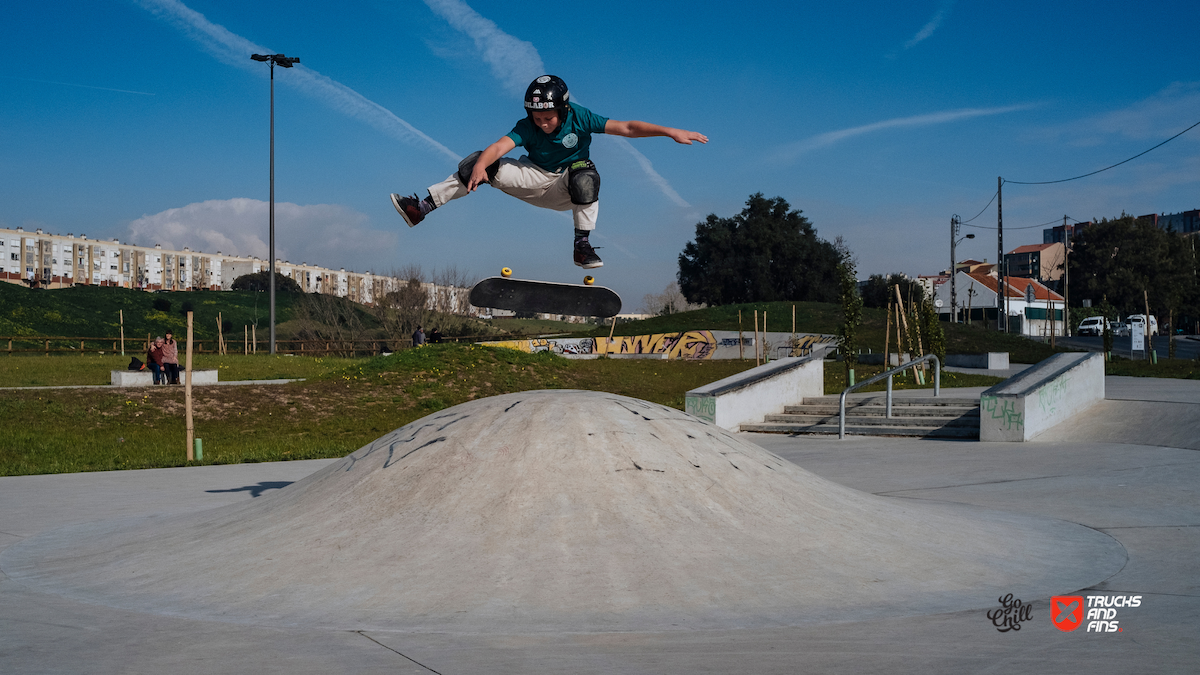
(555, 173)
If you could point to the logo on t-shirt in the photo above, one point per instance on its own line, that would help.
(570, 141)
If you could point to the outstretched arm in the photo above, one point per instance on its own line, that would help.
(638, 129)
(490, 154)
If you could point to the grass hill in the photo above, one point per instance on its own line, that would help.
(822, 317)
(93, 311)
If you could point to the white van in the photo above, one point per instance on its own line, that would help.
(1093, 325)
(1141, 318)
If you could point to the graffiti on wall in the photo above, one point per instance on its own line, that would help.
(704, 407)
(1005, 411)
(692, 344)
(556, 345)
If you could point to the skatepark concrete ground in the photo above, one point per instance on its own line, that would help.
(1127, 469)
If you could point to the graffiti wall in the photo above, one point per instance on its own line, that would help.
(556, 345)
(693, 344)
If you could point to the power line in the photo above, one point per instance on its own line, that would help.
(1027, 227)
(982, 210)
(1064, 180)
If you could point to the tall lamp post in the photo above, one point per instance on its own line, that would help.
(283, 62)
(954, 224)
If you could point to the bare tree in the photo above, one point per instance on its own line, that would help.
(670, 301)
(450, 286)
(401, 311)
(330, 319)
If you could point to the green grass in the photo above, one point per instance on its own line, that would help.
(821, 317)
(342, 406)
(36, 370)
(1176, 368)
(93, 311)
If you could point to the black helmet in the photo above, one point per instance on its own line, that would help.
(548, 92)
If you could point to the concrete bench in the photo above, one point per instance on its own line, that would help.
(145, 378)
(751, 395)
(1051, 392)
(989, 361)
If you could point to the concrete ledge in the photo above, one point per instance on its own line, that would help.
(660, 356)
(749, 396)
(1041, 397)
(145, 378)
(877, 359)
(989, 361)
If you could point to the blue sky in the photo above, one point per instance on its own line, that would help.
(146, 120)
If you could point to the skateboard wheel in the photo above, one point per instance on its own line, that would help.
(505, 272)
(589, 280)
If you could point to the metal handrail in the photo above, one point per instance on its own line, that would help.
(937, 387)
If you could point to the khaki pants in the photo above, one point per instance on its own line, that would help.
(529, 183)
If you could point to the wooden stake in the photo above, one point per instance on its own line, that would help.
(764, 336)
(741, 340)
(756, 345)
(187, 394)
(902, 321)
(887, 335)
(254, 337)
(245, 339)
(121, 312)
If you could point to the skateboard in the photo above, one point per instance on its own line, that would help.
(545, 297)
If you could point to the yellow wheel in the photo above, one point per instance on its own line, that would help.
(505, 272)
(589, 280)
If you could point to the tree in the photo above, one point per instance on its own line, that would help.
(1123, 258)
(261, 281)
(670, 301)
(852, 305)
(401, 311)
(877, 291)
(767, 252)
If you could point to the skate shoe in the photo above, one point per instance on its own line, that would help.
(409, 208)
(585, 255)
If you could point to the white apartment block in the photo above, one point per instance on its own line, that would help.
(57, 261)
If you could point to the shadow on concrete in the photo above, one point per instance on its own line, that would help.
(257, 490)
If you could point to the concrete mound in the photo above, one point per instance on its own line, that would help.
(564, 511)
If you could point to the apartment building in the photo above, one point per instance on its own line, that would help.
(57, 261)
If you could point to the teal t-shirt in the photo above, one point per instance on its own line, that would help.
(569, 143)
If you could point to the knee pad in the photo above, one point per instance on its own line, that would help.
(466, 166)
(583, 182)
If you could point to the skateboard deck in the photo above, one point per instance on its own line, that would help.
(524, 295)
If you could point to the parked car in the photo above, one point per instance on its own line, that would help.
(1093, 325)
(1120, 328)
(1141, 318)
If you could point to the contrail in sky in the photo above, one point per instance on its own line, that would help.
(932, 26)
(71, 84)
(516, 62)
(235, 50)
(791, 152)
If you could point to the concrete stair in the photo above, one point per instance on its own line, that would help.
(923, 416)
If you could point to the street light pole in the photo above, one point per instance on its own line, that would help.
(284, 62)
(954, 242)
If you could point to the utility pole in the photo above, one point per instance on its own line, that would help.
(1067, 280)
(953, 270)
(1001, 293)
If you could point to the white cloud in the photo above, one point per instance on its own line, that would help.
(330, 235)
(1155, 118)
(790, 152)
(930, 28)
(235, 50)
